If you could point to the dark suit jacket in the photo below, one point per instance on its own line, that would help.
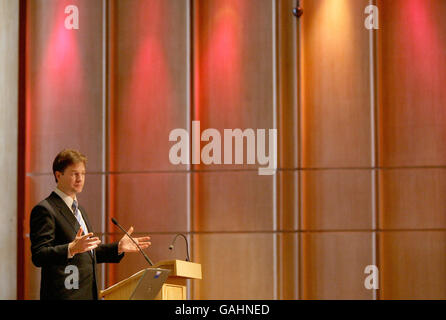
(53, 226)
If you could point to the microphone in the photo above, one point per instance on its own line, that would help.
(187, 245)
(140, 250)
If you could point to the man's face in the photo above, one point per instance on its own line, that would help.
(71, 181)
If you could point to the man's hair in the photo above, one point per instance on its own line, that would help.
(66, 158)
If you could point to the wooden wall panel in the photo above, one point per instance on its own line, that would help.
(155, 202)
(336, 199)
(233, 201)
(333, 265)
(335, 116)
(287, 197)
(412, 64)
(413, 265)
(235, 266)
(288, 131)
(412, 198)
(233, 67)
(31, 274)
(37, 189)
(288, 265)
(63, 83)
(149, 79)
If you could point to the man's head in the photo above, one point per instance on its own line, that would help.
(69, 171)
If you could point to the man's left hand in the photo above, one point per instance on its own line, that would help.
(127, 245)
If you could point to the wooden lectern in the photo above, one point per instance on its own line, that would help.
(173, 289)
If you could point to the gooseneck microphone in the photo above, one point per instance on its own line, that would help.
(140, 250)
(187, 245)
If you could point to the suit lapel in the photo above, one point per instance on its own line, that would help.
(65, 211)
(69, 216)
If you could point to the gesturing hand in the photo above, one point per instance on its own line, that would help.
(127, 245)
(83, 243)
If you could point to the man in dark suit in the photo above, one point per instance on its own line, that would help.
(62, 243)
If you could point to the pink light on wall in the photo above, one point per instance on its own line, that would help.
(421, 34)
(54, 77)
(145, 96)
(422, 29)
(222, 44)
(61, 67)
(411, 70)
(149, 87)
(59, 89)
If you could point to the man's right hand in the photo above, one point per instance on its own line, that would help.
(83, 243)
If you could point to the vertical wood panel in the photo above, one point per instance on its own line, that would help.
(235, 266)
(287, 86)
(411, 57)
(413, 265)
(412, 198)
(335, 84)
(233, 66)
(31, 274)
(288, 270)
(333, 265)
(149, 81)
(288, 205)
(63, 82)
(336, 199)
(155, 202)
(412, 64)
(234, 201)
